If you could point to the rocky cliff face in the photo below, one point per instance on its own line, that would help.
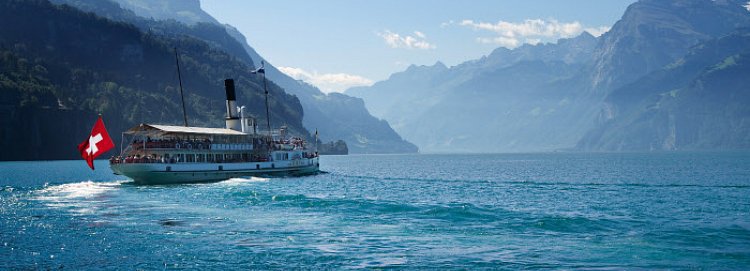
(652, 63)
(654, 33)
(697, 102)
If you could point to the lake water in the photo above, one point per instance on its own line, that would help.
(506, 211)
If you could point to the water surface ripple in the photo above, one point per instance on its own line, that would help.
(505, 211)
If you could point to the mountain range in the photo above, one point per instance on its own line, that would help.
(640, 86)
(669, 75)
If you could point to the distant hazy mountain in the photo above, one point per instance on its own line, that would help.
(62, 66)
(336, 116)
(339, 116)
(698, 102)
(512, 100)
(548, 97)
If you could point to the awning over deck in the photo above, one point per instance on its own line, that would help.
(168, 129)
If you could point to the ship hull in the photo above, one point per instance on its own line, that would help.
(177, 173)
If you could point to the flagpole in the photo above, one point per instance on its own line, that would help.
(262, 70)
(268, 114)
(179, 77)
(122, 142)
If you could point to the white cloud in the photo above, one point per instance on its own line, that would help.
(327, 82)
(418, 41)
(598, 31)
(747, 6)
(446, 24)
(532, 31)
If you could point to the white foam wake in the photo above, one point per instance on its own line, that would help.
(240, 181)
(79, 198)
(81, 190)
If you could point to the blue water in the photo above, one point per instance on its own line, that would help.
(510, 211)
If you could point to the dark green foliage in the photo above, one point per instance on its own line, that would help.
(56, 59)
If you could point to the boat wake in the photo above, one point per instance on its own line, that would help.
(87, 189)
(78, 196)
(241, 181)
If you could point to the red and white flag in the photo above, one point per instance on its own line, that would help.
(98, 143)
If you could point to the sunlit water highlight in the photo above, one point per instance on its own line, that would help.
(514, 211)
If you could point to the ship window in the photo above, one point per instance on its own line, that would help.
(199, 158)
(190, 158)
(209, 158)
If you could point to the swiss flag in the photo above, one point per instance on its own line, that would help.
(98, 143)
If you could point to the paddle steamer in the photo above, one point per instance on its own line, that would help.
(164, 154)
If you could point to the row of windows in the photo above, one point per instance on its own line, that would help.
(282, 156)
(208, 157)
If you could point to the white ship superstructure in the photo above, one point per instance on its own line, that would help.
(164, 154)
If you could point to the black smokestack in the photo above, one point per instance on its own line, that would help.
(229, 86)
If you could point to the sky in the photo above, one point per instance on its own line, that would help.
(337, 44)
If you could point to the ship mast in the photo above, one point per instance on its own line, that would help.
(179, 77)
(261, 70)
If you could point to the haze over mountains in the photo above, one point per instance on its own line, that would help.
(669, 75)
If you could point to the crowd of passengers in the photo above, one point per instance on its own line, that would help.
(175, 159)
(171, 144)
(296, 142)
